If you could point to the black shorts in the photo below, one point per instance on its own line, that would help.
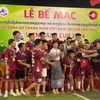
(20, 74)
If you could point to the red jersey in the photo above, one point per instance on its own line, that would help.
(68, 62)
(20, 56)
(10, 54)
(37, 55)
(76, 50)
(30, 45)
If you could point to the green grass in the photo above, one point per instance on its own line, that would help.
(92, 95)
(48, 96)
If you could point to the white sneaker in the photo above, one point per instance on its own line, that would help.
(13, 94)
(1, 94)
(6, 95)
(22, 92)
(18, 94)
(83, 90)
(88, 89)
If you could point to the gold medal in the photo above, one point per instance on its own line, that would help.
(13, 59)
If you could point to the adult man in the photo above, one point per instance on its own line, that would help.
(17, 39)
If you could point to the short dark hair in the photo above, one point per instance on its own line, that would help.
(30, 34)
(85, 39)
(79, 55)
(37, 41)
(78, 34)
(10, 41)
(60, 42)
(70, 51)
(20, 45)
(98, 41)
(68, 38)
(72, 41)
(54, 42)
(15, 32)
(54, 34)
(44, 41)
(87, 43)
(41, 33)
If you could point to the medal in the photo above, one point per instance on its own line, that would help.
(70, 64)
(13, 54)
(38, 70)
(23, 55)
(78, 59)
(13, 58)
(7, 76)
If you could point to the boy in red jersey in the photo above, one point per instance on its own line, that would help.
(87, 69)
(21, 65)
(37, 66)
(44, 70)
(54, 38)
(69, 64)
(42, 35)
(10, 55)
(29, 47)
(30, 44)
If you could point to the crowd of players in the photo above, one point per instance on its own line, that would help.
(73, 60)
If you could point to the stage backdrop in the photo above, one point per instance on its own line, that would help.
(64, 21)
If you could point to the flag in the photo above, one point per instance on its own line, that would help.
(94, 2)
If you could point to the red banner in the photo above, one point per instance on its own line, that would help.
(94, 2)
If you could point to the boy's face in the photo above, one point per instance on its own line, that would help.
(40, 44)
(73, 45)
(61, 47)
(78, 38)
(72, 55)
(98, 45)
(32, 37)
(86, 46)
(68, 41)
(54, 37)
(43, 36)
(17, 36)
(13, 44)
(23, 48)
(44, 45)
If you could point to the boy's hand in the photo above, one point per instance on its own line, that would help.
(63, 76)
(85, 56)
(53, 64)
(28, 65)
(7, 72)
(95, 61)
(60, 53)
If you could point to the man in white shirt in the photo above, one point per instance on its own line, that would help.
(17, 39)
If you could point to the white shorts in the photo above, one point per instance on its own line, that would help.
(44, 72)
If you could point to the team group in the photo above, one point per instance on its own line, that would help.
(73, 60)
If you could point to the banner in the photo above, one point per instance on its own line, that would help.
(64, 21)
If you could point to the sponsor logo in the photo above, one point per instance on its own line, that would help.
(4, 11)
(93, 15)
